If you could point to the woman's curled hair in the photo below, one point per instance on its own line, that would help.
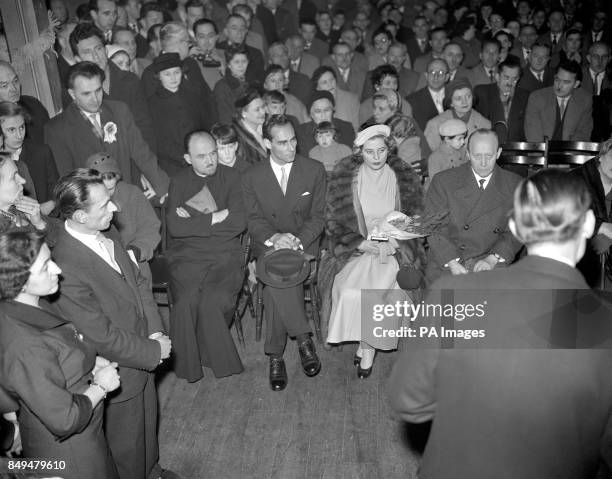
(550, 206)
(18, 251)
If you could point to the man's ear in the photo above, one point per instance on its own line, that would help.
(79, 216)
(268, 143)
(499, 150)
(71, 93)
(588, 228)
(187, 158)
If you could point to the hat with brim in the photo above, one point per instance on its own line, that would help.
(113, 49)
(370, 132)
(165, 61)
(283, 268)
(103, 162)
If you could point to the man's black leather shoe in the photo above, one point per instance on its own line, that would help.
(308, 355)
(278, 374)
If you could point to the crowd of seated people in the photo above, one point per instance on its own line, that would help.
(296, 131)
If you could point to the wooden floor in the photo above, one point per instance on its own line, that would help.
(332, 426)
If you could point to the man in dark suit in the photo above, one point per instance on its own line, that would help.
(109, 301)
(349, 76)
(596, 82)
(561, 112)
(597, 32)
(10, 90)
(532, 407)
(87, 44)
(418, 44)
(298, 84)
(522, 49)
(502, 103)
(285, 202)
(486, 71)
(556, 36)
(91, 124)
(235, 33)
(104, 16)
(301, 61)
(537, 74)
(285, 21)
(478, 196)
(453, 55)
(314, 45)
(428, 102)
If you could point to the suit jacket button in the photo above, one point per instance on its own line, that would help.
(466, 227)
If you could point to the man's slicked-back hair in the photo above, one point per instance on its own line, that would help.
(71, 192)
(81, 32)
(273, 122)
(84, 69)
(570, 66)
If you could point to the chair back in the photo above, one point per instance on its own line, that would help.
(570, 154)
(523, 157)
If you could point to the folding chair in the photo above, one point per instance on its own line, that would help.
(160, 271)
(244, 297)
(523, 157)
(570, 154)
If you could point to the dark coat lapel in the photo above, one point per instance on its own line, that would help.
(83, 129)
(490, 199)
(295, 185)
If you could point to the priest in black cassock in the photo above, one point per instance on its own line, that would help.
(205, 217)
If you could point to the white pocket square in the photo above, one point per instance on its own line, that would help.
(306, 193)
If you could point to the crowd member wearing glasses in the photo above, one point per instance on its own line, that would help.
(206, 216)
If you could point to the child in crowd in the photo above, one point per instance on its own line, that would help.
(328, 151)
(451, 152)
(118, 56)
(135, 219)
(404, 132)
(226, 139)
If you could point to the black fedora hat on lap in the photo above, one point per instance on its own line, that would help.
(283, 268)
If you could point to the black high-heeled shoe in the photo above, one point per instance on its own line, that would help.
(364, 373)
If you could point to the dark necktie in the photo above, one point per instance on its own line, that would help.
(492, 75)
(482, 182)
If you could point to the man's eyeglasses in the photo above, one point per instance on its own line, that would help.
(437, 73)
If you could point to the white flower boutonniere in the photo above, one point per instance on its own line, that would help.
(110, 132)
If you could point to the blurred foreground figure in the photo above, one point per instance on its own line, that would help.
(538, 406)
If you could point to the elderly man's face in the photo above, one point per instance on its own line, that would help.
(10, 87)
(295, 47)
(92, 50)
(321, 110)
(453, 54)
(483, 152)
(87, 93)
(539, 57)
(202, 155)
(342, 56)
(11, 184)
(278, 55)
(396, 56)
(598, 58)
(106, 16)
(436, 75)
(235, 30)
(382, 110)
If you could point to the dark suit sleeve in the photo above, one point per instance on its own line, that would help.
(313, 227)
(259, 228)
(142, 115)
(412, 385)
(59, 147)
(79, 304)
(585, 122)
(151, 311)
(142, 155)
(443, 249)
(37, 377)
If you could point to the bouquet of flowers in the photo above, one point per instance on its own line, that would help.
(399, 226)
